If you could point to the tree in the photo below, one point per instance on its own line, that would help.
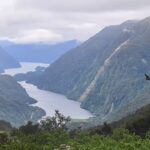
(29, 128)
(3, 138)
(106, 129)
(58, 121)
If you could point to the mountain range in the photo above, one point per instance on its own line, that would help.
(7, 61)
(37, 52)
(106, 72)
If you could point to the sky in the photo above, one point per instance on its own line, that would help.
(52, 21)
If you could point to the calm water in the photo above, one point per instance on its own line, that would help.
(50, 101)
(25, 67)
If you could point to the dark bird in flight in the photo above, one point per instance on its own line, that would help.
(147, 77)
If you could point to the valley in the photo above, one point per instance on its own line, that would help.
(15, 104)
(50, 52)
(105, 73)
(75, 75)
(49, 101)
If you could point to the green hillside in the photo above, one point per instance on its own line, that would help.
(15, 103)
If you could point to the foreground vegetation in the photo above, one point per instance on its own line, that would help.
(119, 140)
(51, 134)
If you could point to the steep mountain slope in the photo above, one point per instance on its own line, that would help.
(121, 88)
(7, 61)
(38, 52)
(14, 103)
(106, 73)
(68, 73)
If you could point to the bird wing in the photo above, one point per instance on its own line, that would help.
(147, 77)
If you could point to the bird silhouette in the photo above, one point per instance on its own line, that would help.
(147, 77)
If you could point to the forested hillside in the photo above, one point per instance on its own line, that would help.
(15, 103)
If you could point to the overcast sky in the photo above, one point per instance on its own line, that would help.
(28, 21)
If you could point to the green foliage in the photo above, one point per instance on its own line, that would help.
(56, 122)
(138, 123)
(106, 129)
(121, 139)
(3, 138)
(51, 134)
(30, 128)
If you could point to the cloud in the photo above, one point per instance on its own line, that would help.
(85, 5)
(82, 26)
(28, 21)
(36, 35)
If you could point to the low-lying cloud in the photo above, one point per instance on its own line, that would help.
(27, 21)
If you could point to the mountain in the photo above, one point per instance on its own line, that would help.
(137, 123)
(37, 52)
(5, 126)
(15, 104)
(105, 73)
(7, 61)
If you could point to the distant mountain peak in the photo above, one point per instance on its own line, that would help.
(7, 61)
(130, 22)
(41, 52)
